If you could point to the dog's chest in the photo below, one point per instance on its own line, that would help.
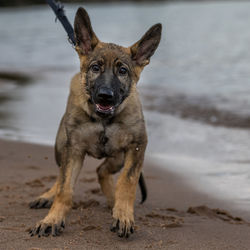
(104, 140)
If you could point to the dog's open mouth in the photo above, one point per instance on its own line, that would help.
(105, 109)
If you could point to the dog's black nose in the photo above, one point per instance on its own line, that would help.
(105, 94)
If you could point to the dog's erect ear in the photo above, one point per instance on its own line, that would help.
(86, 40)
(143, 49)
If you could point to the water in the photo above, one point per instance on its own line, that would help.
(203, 61)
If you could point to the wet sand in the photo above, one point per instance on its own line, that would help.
(175, 216)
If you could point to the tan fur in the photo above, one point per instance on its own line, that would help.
(123, 210)
(104, 171)
(51, 193)
(122, 139)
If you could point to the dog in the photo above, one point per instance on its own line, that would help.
(103, 119)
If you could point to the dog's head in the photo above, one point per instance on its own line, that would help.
(108, 70)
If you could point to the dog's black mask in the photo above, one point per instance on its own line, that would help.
(107, 93)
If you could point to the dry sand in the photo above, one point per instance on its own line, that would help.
(175, 216)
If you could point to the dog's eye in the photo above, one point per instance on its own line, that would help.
(95, 68)
(123, 71)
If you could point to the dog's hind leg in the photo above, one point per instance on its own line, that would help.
(46, 199)
(105, 171)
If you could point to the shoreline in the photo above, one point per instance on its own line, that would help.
(175, 215)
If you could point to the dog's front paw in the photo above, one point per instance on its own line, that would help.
(41, 203)
(123, 222)
(48, 227)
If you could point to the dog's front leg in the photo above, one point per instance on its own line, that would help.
(54, 222)
(123, 210)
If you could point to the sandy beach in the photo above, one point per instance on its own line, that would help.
(196, 101)
(174, 216)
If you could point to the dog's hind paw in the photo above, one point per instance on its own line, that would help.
(46, 229)
(41, 203)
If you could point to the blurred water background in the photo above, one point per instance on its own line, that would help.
(195, 92)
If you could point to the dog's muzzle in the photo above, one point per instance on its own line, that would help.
(105, 101)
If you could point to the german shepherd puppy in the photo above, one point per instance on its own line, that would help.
(103, 119)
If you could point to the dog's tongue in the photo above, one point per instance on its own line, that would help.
(105, 108)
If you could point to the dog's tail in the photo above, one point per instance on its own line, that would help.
(143, 188)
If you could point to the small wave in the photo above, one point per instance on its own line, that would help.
(198, 109)
(17, 77)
